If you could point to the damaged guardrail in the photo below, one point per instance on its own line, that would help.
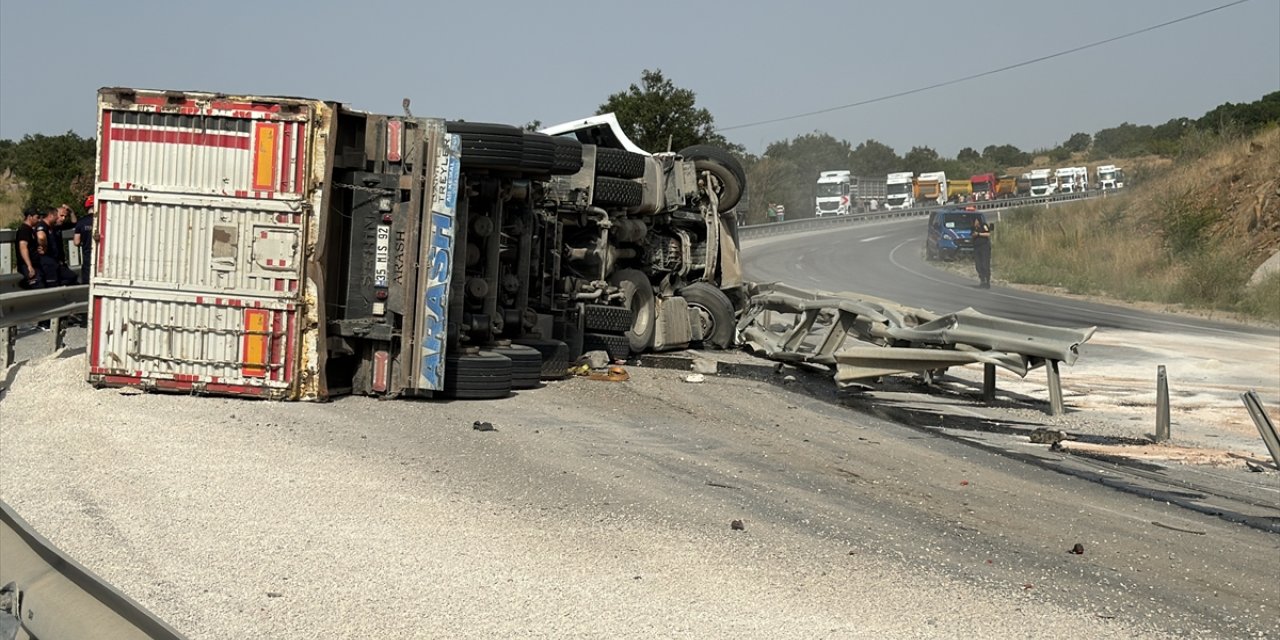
(864, 338)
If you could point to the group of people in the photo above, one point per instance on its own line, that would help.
(42, 253)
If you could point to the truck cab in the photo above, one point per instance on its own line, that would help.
(984, 186)
(1110, 177)
(833, 194)
(950, 232)
(1043, 182)
(900, 190)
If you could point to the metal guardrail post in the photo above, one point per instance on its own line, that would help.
(1055, 388)
(1265, 426)
(1162, 405)
(9, 336)
(988, 382)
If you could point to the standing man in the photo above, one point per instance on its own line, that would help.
(83, 237)
(982, 250)
(52, 263)
(29, 251)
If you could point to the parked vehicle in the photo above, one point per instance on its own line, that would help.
(984, 186)
(950, 231)
(1043, 182)
(292, 248)
(1072, 179)
(842, 193)
(959, 190)
(1110, 177)
(1007, 187)
(1022, 185)
(931, 188)
(900, 190)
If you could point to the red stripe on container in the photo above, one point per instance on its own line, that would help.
(298, 180)
(95, 349)
(106, 146)
(172, 136)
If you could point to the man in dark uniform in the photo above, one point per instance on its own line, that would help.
(83, 238)
(29, 251)
(982, 250)
(52, 263)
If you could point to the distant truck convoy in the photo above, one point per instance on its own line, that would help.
(842, 193)
(900, 190)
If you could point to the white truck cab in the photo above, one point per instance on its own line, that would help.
(900, 190)
(1110, 177)
(1043, 182)
(832, 194)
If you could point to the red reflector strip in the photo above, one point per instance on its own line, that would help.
(254, 351)
(265, 140)
(395, 137)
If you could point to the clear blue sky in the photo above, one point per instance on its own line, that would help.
(511, 61)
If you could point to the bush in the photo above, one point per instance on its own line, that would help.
(1262, 300)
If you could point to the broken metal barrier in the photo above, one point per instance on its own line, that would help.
(864, 338)
(1263, 422)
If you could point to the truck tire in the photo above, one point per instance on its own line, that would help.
(556, 358)
(715, 312)
(568, 157)
(618, 163)
(726, 168)
(476, 376)
(526, 365)
(539, 153)
(637, 294)
(606, 319)
(618, 347)
(489, 145)
(616, 192)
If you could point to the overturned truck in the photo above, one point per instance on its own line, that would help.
(299, 249)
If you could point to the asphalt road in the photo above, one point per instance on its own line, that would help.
(886, 259)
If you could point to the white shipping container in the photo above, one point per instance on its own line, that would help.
(207, 211)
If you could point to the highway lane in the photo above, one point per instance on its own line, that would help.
(886, 259)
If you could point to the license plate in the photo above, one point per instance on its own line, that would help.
(382, 256)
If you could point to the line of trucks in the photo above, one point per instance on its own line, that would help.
(300, 249)
(842, 193)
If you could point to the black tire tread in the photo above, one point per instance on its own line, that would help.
(617, 192)
(619, 163)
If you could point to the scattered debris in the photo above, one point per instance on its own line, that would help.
(695, 378)
(720, 486)
(595, 359)
(738, 525)
(483, 426)
(788, 380)
(1028, 586)
(1180, 530)
(1048, 436)
(964, 483)
(129, 391)
(1254, 467)
(705, 366)
(614, 374)
(274, 594)
(1078, 549)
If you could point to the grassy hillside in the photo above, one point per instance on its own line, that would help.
(1190, 233)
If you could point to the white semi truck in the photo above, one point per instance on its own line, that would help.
(842, 193)
(900, 190)
(1043, 182)
(1072, 179)
(1110, 177)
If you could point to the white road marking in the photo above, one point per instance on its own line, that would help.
(873, 238)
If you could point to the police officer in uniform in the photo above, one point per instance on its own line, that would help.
(982, 250)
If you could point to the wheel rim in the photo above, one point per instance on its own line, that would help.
(706, 319)
(640, 320)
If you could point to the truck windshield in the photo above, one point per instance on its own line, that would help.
(1106, 175)
(981, 186)
(1039, 182)
(959, 220)
(828, 189)
(899, 189)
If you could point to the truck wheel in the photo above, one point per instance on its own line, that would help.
(715, 312)
(526, 365)
(726, 168)
(618, 347)
(556, 358)
(637, 295)
(617, 163)
(539, 153)
(476, 376)
(616, 192)
(605, 318)
(488, 145)
(568, 157)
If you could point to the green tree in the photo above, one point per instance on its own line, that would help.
(1005, 156)
(921, 159)
(1077, 142)
(656, 113)
(872, 158)
(57, 169)
(968, 154)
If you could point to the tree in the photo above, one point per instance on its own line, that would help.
(873, 158)
(921, 159)
(656, 113)
(968, 154)
(1077, 142)
(1005, 156)
(57, 169)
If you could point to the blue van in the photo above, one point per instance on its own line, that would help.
(949, 231)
